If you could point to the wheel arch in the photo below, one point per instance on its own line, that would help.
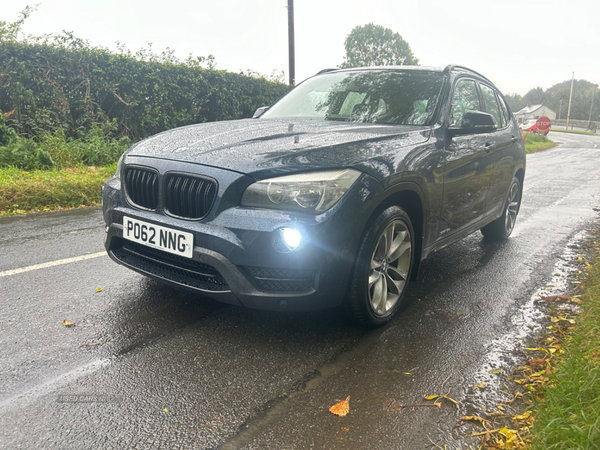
(410, 197)
(520, 175)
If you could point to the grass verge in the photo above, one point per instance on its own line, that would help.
(537, 143)
(43, 190)
(568, 414)
(562, 130)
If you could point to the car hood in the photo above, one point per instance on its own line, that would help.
(264, 147)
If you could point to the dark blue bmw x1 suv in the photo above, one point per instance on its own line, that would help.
(332, 195)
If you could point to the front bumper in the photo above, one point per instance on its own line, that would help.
(234, 260)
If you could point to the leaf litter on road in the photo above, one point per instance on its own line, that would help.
(341, 408)
(442, 395)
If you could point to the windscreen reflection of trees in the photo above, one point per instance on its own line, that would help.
(383, 97)
(398, 98)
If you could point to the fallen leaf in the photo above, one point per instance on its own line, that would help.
(394, 405)
(165, 410)
(448, 398)
(495, 372)
(341, 408)
(537, 362)
(500, 407)
(478, 420)
(345, 429)
(523, 416)
(552, 298)
(430, 397)
(516, 395)
(66, 323)
(480, 385)
(535, 349)
(483, 432)
(99, 290)
(510, 435)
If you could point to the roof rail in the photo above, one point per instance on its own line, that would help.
(450, 67)
(326, 70)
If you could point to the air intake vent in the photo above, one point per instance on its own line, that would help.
(283, 279)
(142, 187)
(170, 267)
(187, 196)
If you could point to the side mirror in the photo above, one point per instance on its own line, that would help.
(260, 111)
(475, 122)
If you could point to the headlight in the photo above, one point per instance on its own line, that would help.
(119, 165)
(312, 192)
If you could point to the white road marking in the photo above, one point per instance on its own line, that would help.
(51, 264)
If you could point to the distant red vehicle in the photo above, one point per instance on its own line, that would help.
(540, 126)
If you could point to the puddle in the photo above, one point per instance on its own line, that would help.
(505, 352)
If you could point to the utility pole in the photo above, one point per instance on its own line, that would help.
(570, 96)
(292, 52)
(591, 107)
(560, 109)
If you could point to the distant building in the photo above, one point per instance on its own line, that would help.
(534, 112)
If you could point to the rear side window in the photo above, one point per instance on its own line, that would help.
(465, 99)
(491, 105)
(505, 112)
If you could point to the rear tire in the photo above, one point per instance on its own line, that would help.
(501, 228)
(382, 268)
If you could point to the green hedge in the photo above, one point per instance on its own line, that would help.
(71, 86)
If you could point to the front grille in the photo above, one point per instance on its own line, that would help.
(188, 196)
(171, 267)
(141, 186)
(282, 279)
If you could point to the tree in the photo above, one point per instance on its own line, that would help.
(581, 102)
(10, 31)
(515, 102)
(374, 45)
(535, 96)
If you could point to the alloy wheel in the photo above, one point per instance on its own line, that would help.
(390, 265)
(512, 208)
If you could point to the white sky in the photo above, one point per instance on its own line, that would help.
(518, 44)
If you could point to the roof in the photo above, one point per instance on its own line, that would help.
(530, 109)
(449, 68)
(367, 68)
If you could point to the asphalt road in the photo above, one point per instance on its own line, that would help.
(149, 367)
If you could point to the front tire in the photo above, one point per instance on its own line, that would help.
(382, 269)
(501, 228)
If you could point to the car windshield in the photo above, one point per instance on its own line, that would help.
(381, 96)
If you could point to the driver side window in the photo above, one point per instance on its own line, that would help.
(465, 99)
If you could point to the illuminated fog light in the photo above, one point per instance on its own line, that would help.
(288, 240)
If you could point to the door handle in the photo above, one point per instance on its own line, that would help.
(488, 147)
(514, 139)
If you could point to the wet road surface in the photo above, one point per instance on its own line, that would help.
(150, 367)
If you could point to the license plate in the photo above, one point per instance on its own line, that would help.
(163, 238)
